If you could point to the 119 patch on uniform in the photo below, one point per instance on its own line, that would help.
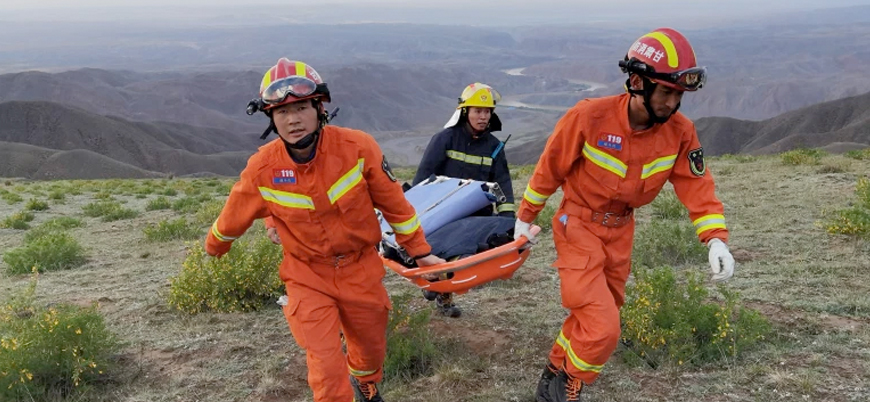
(610, 141)
(696, 162)
(283, 176)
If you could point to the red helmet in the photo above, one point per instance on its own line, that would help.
(290, 81)
(665, 57)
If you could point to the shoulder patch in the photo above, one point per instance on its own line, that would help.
(389, 171)
(696, 161)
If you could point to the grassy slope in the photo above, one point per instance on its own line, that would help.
(812, 286)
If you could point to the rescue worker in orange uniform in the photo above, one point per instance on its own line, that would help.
(611, 155)
(320, 184)
(467, 149)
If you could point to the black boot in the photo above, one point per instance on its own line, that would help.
(429, 295)
(446, 306)
(564, 388)
(365, 392)
(543, 392)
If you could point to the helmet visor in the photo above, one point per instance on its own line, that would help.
(297, 86)
(690, 79)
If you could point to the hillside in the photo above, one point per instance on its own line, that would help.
(130, 149)
(841, 121)
(812, 286)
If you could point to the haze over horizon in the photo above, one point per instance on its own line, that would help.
(445, 12)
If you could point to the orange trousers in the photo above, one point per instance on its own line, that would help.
(594, 262)
(327, 300)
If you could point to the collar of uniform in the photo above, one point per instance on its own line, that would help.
(466, 131)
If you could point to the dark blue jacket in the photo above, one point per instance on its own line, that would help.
(454, 152)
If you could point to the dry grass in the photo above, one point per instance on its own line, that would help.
(812, 286)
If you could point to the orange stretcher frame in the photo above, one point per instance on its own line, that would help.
(498, 263)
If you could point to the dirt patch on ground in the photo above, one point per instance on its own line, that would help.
(481, 342)
(743, 255)
(793, 318)
(290, 384)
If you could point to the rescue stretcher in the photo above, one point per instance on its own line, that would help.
(439, 201)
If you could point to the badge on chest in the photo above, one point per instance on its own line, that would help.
(283, 176)
(610, 141)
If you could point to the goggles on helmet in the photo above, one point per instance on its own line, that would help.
(297, 86)
(690, 79)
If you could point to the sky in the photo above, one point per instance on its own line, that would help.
(461, 12)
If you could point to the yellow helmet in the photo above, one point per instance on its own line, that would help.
(479, 95)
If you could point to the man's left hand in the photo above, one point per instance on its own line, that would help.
(721, 261)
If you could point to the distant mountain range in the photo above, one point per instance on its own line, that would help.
(45, 140)
(838, 126)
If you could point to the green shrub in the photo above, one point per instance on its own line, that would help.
(856, 219)
(850, 221)
(59, 196)
(48, 252)
(862, 191)
(158, 203)
(120, 214)
(11, 198)
(104, 195)
(53, 225)
(187, 204)
(51, 353)
(170, 192)
(108, 211)
(18, 220)
(661, 243)
(411, 350)
(97, 209)
(670, 320)
(802, 156)
(73, 189)
(668, 206)
(178, 229)
(145, 189)
(36, 205)
(860, 154)
(193, 191)
(208, 212)
(224, 188)
(245, 279)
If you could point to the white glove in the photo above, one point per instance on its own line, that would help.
(524, 229)
(721, 261)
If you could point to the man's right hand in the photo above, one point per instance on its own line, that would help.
(430, 259)
(272, 233)
(524, 229)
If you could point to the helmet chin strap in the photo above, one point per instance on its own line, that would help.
(306, 141)
(648, 88)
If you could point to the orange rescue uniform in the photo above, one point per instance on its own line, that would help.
(323, 211)
(606, 169)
